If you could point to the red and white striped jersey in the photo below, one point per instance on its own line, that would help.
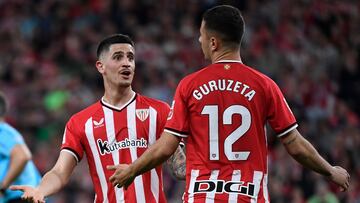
(221, 111)
(109, 135)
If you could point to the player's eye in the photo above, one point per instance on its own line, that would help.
(131, 57)
(117, 57)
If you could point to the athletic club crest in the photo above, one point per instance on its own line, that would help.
(142, 114)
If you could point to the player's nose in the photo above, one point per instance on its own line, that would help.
(125, 65)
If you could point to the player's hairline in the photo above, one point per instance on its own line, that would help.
(116, 52)
(106, 43)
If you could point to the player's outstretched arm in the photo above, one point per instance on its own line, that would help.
(152, 157)
(19, 157)
(177, 163)
(304, 152)
(52, 181)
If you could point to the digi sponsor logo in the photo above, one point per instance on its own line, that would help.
(142, 114)
(220, 186)
(107, 148)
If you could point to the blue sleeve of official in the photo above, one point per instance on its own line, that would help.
(9, 138)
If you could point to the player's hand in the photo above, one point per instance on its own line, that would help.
(30, 194)
(123, 175)
(341, 177)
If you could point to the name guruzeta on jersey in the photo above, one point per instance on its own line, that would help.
(224, 85)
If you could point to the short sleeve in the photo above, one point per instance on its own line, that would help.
(10, 138)
(72, 140)
(161, 120)
(177, 121)
(280, 116)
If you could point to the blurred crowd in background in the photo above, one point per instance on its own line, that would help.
(311, 48)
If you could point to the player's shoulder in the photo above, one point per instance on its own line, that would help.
(7, 129)
(215, 68)
(155, 103)
(256, 73)
(86, 113)
(259, 76)
(192, 77)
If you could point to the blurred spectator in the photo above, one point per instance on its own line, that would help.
(323, 195)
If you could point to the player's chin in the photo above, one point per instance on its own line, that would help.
(125, 83)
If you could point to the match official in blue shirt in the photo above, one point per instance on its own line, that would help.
(16, 166)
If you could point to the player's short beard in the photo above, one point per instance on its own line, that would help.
(125, 84)
(117, 84)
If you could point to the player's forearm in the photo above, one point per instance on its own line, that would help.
(51, 183)
(58, 176)
(155, 154)
(177, 163)
(17, 165)
(153, 157)
(312, 160)
(19, 157)
(304, 153)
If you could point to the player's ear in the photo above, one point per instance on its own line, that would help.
(100, 66)
(214, 43)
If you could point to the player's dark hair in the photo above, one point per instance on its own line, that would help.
(226, 22)
(3, 105)
(105, 44)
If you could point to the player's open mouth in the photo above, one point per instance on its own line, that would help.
(125, 72)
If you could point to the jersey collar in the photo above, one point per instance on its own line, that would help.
(104, 103)
(229, 61)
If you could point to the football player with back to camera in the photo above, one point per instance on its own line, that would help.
(221, 111)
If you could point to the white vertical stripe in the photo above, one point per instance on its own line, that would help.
(152, 138)
(152, 125)
(110, 132)
(257, 181)
(194, 175)
(155, 184)
(210, 196)
(236, 176)
(131, 119)
(64, 137)
(265, 180)
(265, 134)
(265, 189)
(99, 169)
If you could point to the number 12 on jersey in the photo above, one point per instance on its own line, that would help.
(213, 112)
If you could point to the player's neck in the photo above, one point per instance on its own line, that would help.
(118, 97)
(225, 55)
